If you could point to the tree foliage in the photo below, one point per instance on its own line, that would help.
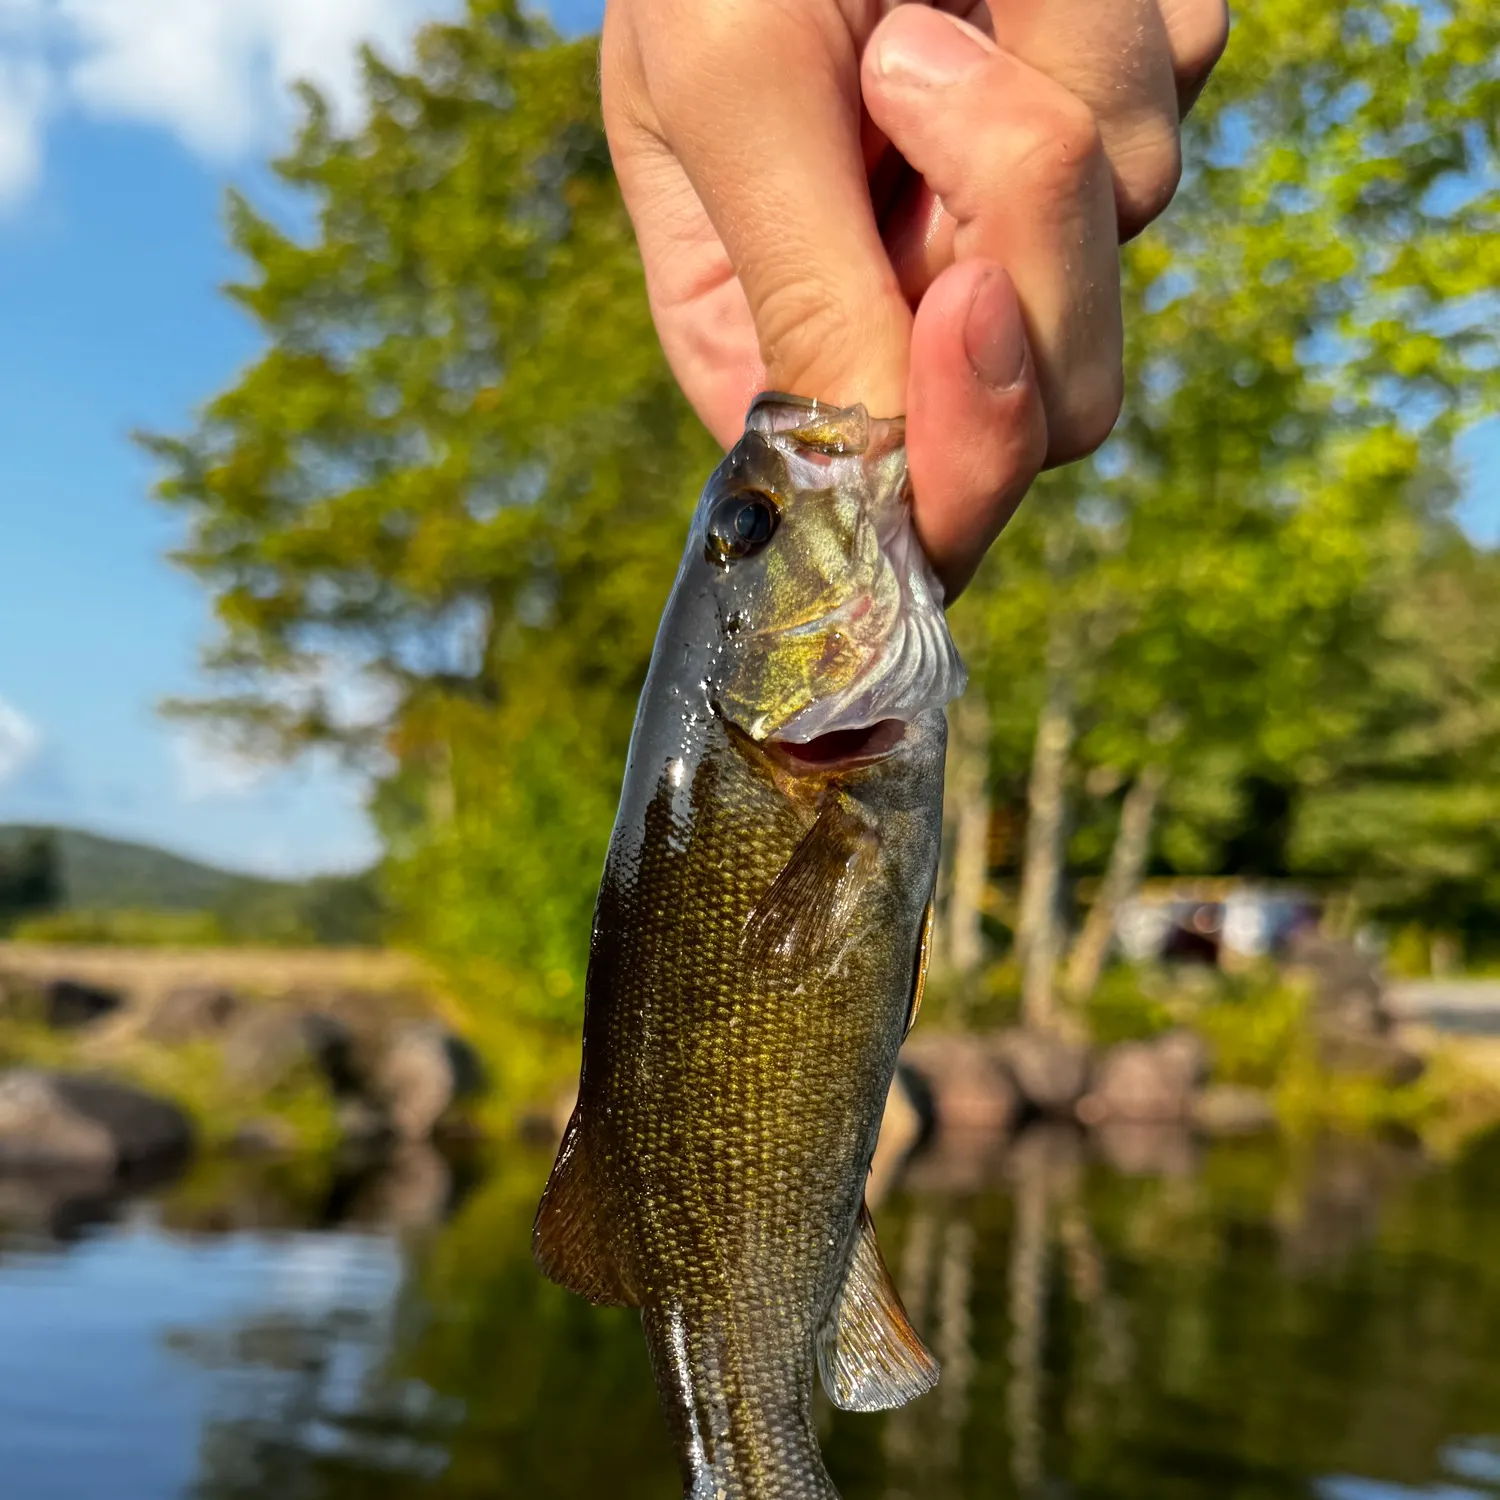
(1254, 580)
(439, 514)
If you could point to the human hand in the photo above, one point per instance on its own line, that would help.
(786, 247)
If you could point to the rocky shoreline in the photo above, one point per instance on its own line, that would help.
(98, 1076)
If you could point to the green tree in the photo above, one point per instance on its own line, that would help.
(439, 514)
(1310, 328)
(31, 879)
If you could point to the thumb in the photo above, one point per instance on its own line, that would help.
(976, 430)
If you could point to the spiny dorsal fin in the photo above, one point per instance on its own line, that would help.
(919, 980)
(569, 1239)
(869, 1355)
(807, 904)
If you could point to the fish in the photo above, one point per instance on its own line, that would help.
(758, 953)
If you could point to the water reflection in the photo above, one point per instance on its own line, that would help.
(1114, 1319)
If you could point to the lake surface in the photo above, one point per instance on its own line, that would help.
(1133, 1319)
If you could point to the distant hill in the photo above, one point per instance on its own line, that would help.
(91, 874)
(100, 874)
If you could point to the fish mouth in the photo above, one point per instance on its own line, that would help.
(841, 748)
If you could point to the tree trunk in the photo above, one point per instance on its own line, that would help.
(1127, 864)
(1038, 931)
(960, 936)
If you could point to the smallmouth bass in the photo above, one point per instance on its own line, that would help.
(758, 951)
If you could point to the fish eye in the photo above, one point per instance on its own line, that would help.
(740, 525)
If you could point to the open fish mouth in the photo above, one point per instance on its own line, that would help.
(842, 748)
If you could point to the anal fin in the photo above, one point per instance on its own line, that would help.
(869, 1356)
(570, 1237)
(809, 902)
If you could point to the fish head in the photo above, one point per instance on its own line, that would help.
(830, 618)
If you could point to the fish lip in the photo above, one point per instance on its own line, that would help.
(840, 749)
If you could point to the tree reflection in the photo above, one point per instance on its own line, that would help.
(1271, 1319)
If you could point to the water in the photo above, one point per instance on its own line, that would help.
(1246, 1322)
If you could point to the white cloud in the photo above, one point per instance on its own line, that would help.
(25, 89)
(20, 740)
(215, 73)
(208, 771)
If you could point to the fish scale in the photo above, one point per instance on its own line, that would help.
(754, 954)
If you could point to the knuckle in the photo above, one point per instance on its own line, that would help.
(1198, 31)
(1147, 169)
(807, 340)
(1092, 409)
(1057, 147)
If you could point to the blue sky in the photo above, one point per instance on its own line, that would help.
(119, 128)
(121, 122)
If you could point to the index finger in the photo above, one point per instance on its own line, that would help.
(760, 105)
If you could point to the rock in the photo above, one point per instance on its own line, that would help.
(65, 1120)
(70, 1005)
(265, 1044)
(901, 1130)
(190, 1013)
(1227, 1109)
(268, 1137)
(420, 1074)
(60, 1204)
(363, 1127)
(1363, 1055)
(1050, 1072)
(1186, 1054)
(1146, 1081)
(972, 1090)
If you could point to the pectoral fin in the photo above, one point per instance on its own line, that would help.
(798, 918)
(869, 1355)
(570, 1237)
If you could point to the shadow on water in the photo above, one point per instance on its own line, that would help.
(1116, 1317)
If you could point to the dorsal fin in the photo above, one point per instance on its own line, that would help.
(570, 1239)
(869, 1355)
(808, 903)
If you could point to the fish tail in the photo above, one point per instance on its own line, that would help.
(733, 1447)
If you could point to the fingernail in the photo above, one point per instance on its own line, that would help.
(994, 333)
(930, 48)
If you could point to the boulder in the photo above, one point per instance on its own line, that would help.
(1147, 1082)
(81, 1121)
(190, 1013)
(1229, 1109)
(265, 1044)
(972, 1090)
(71, 1005)
(1050, 1072)
(1185, 1054)
(420, 1074)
